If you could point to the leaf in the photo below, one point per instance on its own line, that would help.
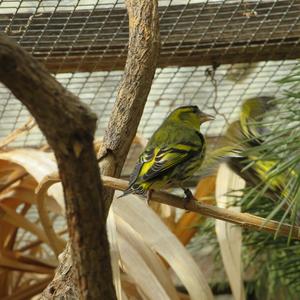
(6, 262)
(230, 236)
(57, 244)
(114, 252)
(30, 259)
(149, 257)
(20, 194)
(29, 291)
(149, 226)
(11, 238)
(129, 288)
(27, 195)
(10, 216)
(38, 164)
(166, 212)
(7, 229)
(18, 132)
(137, 268)
(10, 174)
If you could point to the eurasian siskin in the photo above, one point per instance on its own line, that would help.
(247, 134)
(173, 154)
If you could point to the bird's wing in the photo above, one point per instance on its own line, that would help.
(144, 158)
(154, 162)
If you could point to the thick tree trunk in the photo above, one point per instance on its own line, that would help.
(69, 127)
(143, 52)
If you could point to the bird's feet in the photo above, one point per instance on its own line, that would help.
(187, 198)
(149, 192)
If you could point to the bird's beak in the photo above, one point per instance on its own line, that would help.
(206, 117)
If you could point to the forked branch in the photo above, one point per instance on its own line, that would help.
(143, 51)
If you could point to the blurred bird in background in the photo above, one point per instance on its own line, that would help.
(249, 159)
(174, 152)
(245, 134)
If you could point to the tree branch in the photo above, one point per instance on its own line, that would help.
(242, 219)
(143, 51)
(69, 127)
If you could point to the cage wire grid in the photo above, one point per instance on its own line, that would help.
(84, 42)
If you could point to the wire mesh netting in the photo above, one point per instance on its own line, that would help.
(84, 43)
(172, 87)
(93, 35)
(214, 54)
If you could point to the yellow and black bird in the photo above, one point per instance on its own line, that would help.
(173, 154)
(246, 136)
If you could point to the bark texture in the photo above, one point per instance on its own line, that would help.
(143, 52)
(69, 127)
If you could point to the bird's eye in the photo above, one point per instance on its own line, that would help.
(195, 109)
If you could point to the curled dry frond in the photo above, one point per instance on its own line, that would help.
(30, 124)
(230, 236)
(25, 247)
(138, 237)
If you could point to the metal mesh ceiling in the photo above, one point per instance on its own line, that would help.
(92, 35)
(85, 44)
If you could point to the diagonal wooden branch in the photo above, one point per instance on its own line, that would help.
(69, 127)
(143, 51)
(242, 219)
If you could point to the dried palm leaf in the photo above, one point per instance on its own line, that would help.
(228, 187)
(148, 225)
(18, 132)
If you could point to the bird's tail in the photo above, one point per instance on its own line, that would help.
(135, 190)
(126, 192)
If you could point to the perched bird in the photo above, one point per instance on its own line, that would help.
(247, 131)
(246, 135)
(241, 134)
(173, 154)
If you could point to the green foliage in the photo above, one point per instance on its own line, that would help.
(273, 263)
(276, 260)
(280, 150)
